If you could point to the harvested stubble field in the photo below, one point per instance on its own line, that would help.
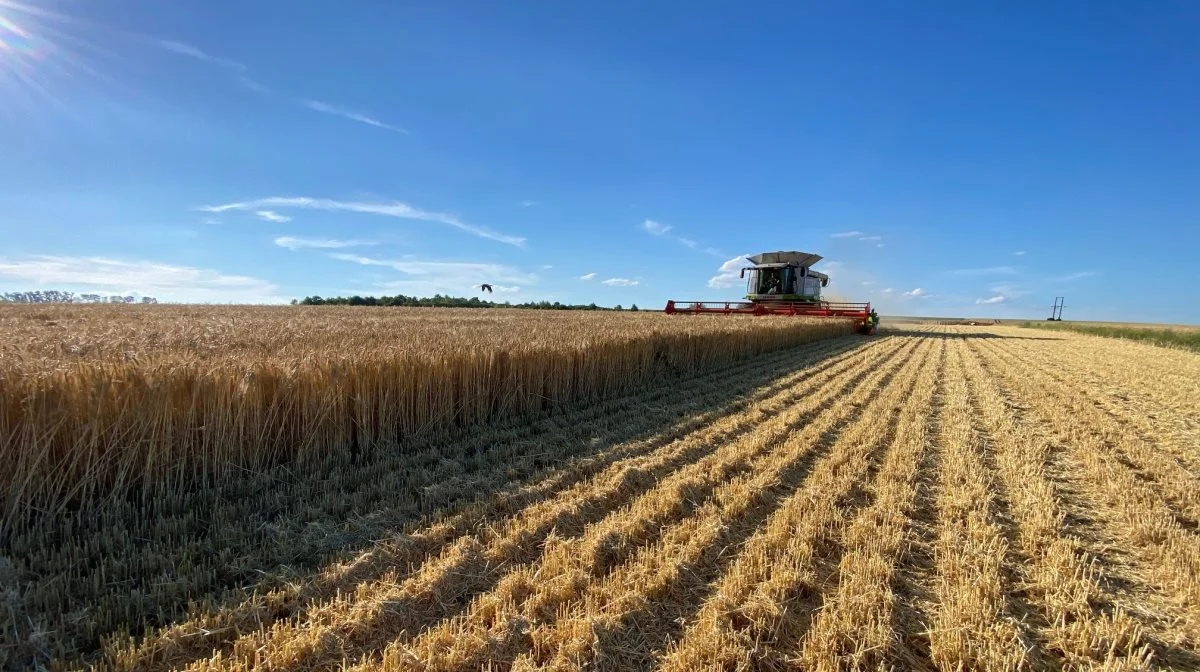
(936, 498)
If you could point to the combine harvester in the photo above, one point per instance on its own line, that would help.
(782, 283)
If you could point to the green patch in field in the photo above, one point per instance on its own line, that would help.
(1180, 338)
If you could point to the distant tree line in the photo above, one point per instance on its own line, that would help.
(56, 296)
(436, 301)
(439, 301)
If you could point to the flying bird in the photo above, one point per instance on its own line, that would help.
(486, 287)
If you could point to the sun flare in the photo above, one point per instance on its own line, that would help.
(32, 60)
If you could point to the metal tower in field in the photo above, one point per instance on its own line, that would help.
(1056, 311)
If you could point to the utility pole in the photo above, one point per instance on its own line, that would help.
(1056, 311)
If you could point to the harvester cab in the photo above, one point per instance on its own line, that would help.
(782, 283)
(784, 276)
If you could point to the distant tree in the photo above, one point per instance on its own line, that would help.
(57, 296)
(633, 308)
(442, 301)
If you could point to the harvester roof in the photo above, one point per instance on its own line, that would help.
(785, 258)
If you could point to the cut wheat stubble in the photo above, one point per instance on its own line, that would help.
(856, 627)
(213, 630)
(1063, 580)
(396, 605)
(1135, 514)
(539, 594)
(760, 608)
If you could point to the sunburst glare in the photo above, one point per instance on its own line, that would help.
(39, 51)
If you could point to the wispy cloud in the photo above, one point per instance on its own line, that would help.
(917, 293)
(619, 282)
(656, 228)
(294, 244)
(427, 277)
(990, 270)
(589, 276)
(272, 216)
(1071, 277)
(999, 298)
(886, 290)
(166, 282)
(393, 209)
(190, 51)
(184, 49)
(256, 86)
(859, 235)
(729, 273)
(1010, 290)
(527, 204)
(326, 108)
(1019, 253)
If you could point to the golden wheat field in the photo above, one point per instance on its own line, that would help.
(744, 494)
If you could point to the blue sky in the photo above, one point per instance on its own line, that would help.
(945, 158)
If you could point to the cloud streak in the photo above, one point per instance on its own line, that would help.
(184, 49)
(424, 277)
(620, 282)
(1071, 277)
(656, 228)
(999, 298)
(272, 216)
(859, 235)
(294, 244)
(464, 273)
(393, 209)
(589, 276)
(990, 270)
(326, 108)
(190, 51)
(1009, 290)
